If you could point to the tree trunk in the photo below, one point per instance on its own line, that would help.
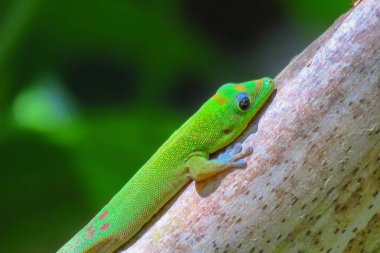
(313, 182)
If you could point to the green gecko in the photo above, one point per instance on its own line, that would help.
(184, 156)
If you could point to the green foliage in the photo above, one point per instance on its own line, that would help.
(315, 15)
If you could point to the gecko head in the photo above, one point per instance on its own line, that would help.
(240, 103)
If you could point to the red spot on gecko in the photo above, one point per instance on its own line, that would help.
(90, 228)
(89, 236)
(104, 226)
(103, 215)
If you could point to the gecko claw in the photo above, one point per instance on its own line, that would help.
(236, 149)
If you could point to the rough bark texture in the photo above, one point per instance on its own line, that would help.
(313, 182)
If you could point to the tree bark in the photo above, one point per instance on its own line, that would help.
(313, 182)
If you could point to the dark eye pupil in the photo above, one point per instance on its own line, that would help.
(244, 103)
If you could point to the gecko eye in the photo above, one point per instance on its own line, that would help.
(243, 100)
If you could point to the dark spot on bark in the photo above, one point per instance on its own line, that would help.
(283, 220)
(279, 237)
(308, 232)
(370, 207)
(265, 207)
(354, 230)
(330, 137)
(345, 186)
(350, 103)
(315, 199)
(343, 208)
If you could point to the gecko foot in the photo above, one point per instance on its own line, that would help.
(234, 157)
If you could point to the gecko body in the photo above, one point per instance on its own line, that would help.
(183, 157)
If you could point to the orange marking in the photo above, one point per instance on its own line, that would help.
(259, 82)
(103, 215)
(219, 99)
(104, 226)
(239, 87)
(90, 228)
(258, 87)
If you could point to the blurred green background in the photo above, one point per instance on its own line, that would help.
(90, 89)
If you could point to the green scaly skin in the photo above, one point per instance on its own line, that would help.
(183, 157)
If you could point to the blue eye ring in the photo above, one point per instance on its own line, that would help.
(243, 101)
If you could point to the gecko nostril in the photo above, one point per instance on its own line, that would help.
(227, 131)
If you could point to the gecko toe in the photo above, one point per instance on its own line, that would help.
(237, 148)
(241, 164)
(242, 154)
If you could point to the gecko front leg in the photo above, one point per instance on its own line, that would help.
(201, 168)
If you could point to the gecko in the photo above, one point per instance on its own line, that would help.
(185, 156)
